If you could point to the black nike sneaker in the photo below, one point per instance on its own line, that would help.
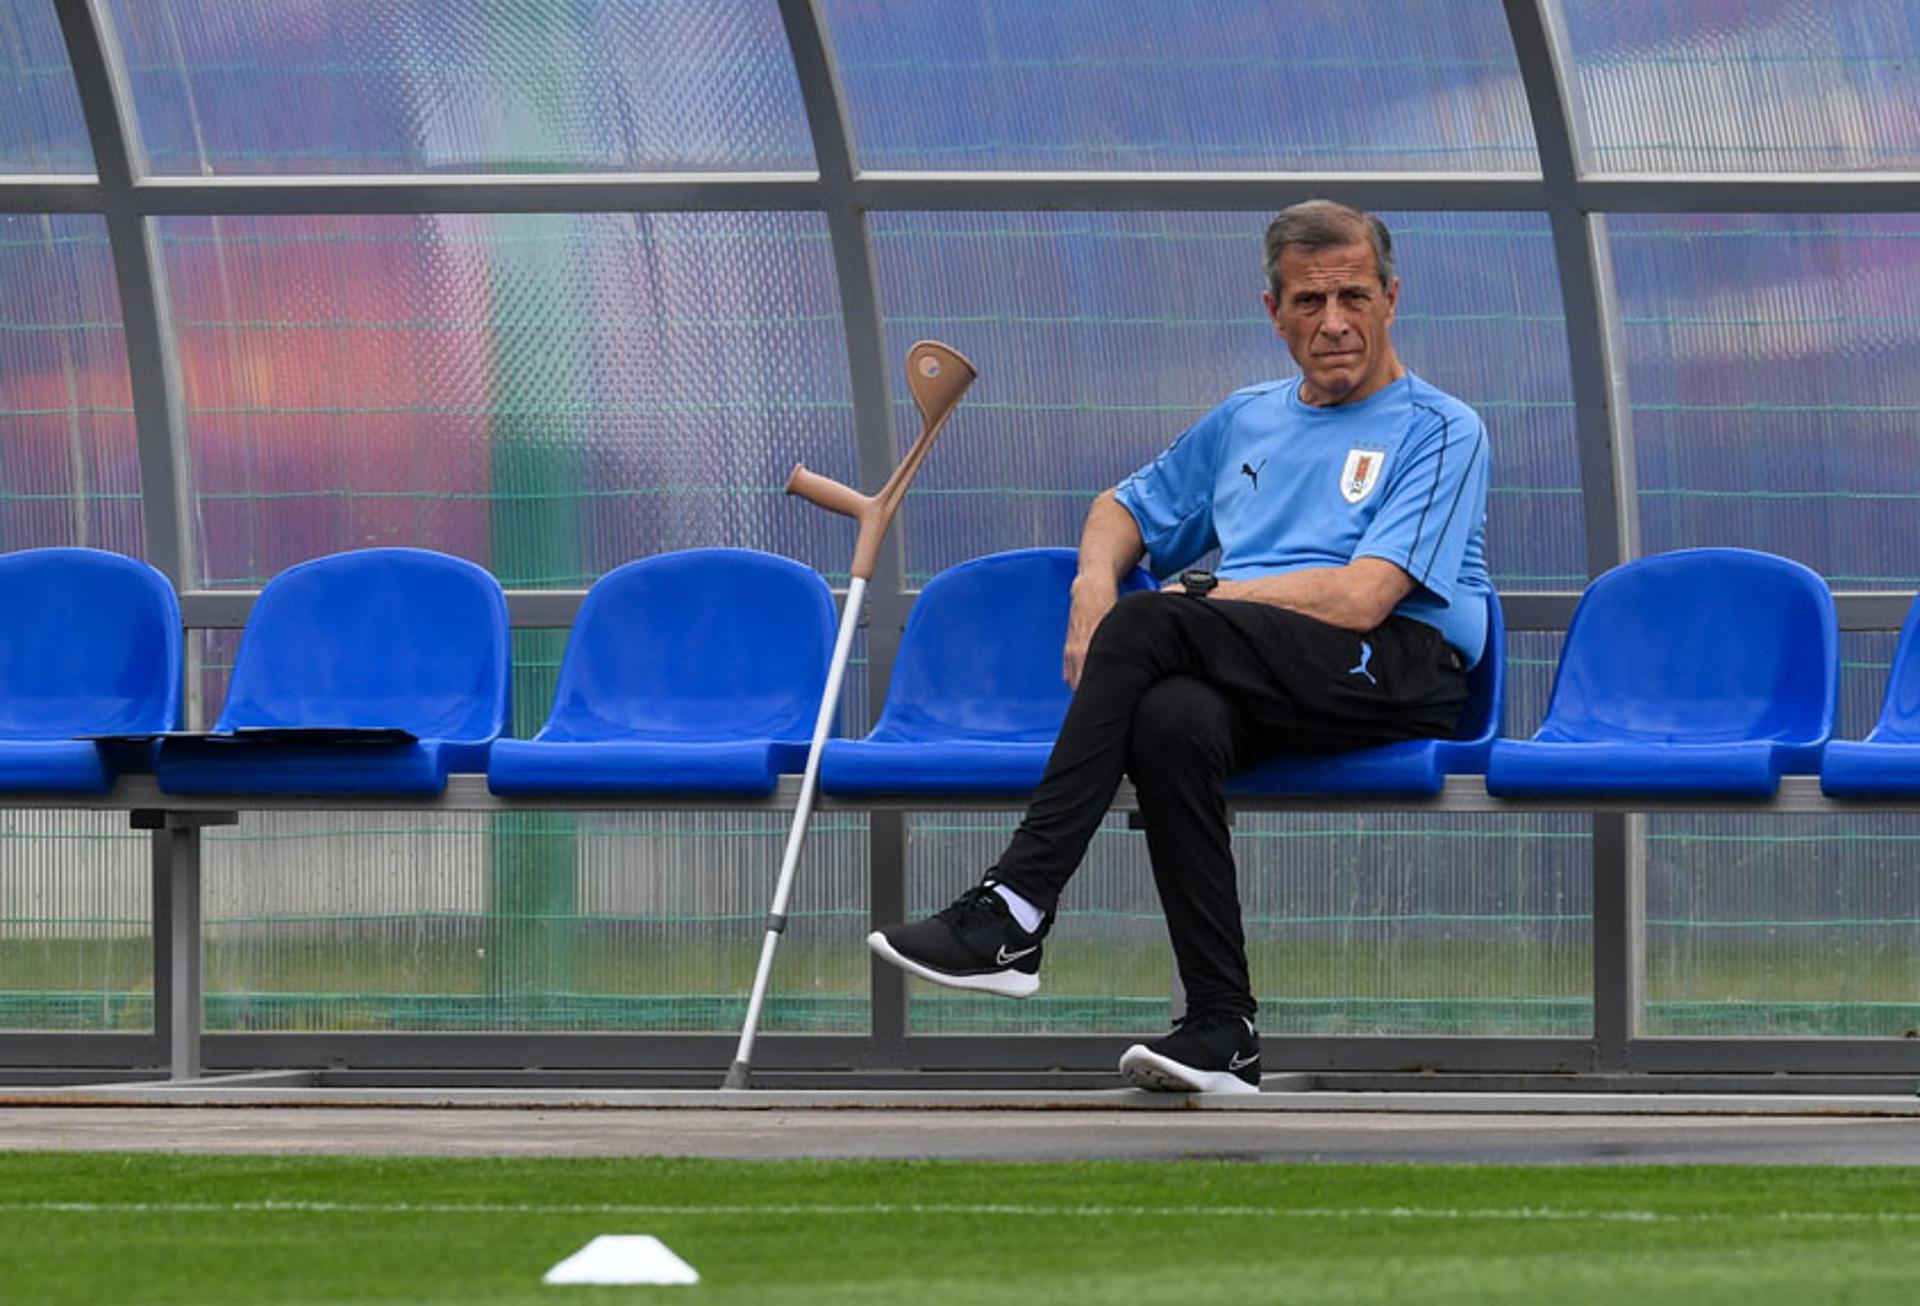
(974, 944)
(1205, 1053)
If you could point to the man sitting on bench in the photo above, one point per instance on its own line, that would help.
(1349, 508)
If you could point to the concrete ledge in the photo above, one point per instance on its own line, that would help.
(1285, 1095)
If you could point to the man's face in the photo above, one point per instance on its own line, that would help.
(1334, 315)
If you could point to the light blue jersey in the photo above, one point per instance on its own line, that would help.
(1279, 485)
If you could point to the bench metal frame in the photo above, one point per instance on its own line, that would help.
(1567, 188)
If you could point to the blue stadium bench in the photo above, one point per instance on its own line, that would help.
(697, 672)
(1887, 764)
(1700, 673)
(372, 672)
(976, 696)
(90, 644)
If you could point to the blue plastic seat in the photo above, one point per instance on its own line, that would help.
(691, 672)
(976, 696)
(399, 640)
(90, 644)
(1887, 763)
(1701, 673)
(1414, 767)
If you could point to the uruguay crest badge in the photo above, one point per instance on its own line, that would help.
(1361, 473)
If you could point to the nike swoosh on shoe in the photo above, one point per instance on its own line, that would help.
(1005, 958)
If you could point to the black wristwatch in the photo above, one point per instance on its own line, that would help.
(1198, 583)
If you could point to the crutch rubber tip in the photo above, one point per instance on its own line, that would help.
(737, 1076)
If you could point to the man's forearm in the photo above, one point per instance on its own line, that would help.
(1358, 596)
(1110, 542)
(1110, 545)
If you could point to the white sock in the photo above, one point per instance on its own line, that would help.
(1025, 913)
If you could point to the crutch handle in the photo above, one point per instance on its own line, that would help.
(827, 492)
(937, 375)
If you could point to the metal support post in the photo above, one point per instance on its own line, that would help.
(1619, 937)
(178, 996)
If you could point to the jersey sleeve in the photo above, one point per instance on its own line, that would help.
(1171, 498)
(1436, 498)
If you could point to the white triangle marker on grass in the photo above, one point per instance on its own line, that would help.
(623, 1258)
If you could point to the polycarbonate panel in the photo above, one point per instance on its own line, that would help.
(69, 460)
(1770, 363)
(41, 127)
(1748, 85)
(1101, 336)
(1789, 925)
(76, 939)
(1183, 85)
(1532, 656)
(537, 921)
(548, 396)
(1357, 923)
(233, 87)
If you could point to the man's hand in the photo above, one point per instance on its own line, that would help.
(1093, 597)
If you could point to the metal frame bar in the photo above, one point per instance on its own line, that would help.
(555, 609)
(1042, 1057)
(1575, 202)
(831, 125)
(1608, 494)
(1460, 795)
(114, 134)
(1465, 192)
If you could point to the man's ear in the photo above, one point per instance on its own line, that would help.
(1393, 298)
(1273, 309)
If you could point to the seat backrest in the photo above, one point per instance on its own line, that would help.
(980, 657)
(90, 643)
(1900, 711)
(376, 637)
(1485, 713)
(1700, 646)
(699, 644)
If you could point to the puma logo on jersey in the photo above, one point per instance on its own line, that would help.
(1252, 473)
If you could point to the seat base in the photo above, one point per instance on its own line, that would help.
(640, 766)
(1871, 770)
(242, 766)
(1554, 769)
(53, 766)
(1417, 768)
(969, 768)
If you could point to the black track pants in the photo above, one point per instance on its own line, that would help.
(1178, 693)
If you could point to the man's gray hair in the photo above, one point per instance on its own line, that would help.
(1314, 225)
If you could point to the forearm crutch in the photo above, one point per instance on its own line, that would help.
(937, 376)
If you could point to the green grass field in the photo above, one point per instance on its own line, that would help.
(144, 1229)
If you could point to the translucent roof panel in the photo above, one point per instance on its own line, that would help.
(1748, 85)
(1101, 336)
(1775, 400)
(1183, 85)
(41, 127)
(549, 396)
(69, 460)
(422, 86)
